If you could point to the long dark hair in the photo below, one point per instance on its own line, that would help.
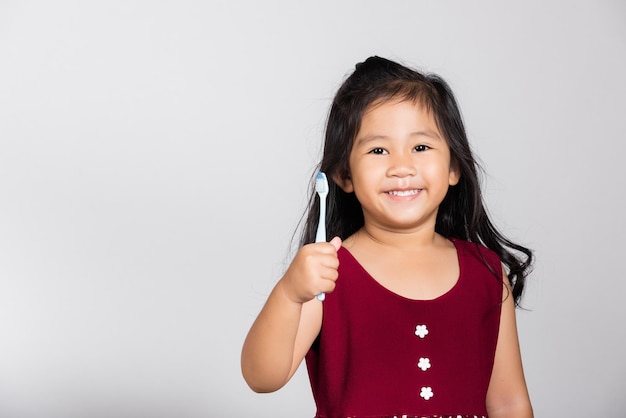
(462, 213)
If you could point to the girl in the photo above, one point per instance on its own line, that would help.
(419, 317)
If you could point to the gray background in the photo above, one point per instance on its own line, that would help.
(154, 161)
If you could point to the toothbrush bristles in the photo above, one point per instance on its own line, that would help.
(321, 183)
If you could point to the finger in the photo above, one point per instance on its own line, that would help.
(336, 243)
(327, 284)
(329, 261)
(329, 287)
(329, 273)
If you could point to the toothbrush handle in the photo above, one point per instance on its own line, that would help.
(321, 223)
(321, 233)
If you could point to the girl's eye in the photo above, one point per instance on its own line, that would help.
(379, 151)
(420, 148)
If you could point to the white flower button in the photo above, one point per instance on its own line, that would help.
(424, 363)
(421, 331)
(427, 393)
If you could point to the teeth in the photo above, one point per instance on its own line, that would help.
(403, 192)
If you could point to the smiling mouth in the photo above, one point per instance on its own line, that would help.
(402, 193)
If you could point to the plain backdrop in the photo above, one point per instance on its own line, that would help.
(154, 164)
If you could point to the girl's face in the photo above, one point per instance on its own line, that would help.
(399, 166)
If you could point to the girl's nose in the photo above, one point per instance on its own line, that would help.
(401, 165)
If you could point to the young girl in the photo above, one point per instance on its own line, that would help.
(419, 315)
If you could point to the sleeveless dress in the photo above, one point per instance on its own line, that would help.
(379, 354)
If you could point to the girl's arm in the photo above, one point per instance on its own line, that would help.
(291, 318)
(507, 395)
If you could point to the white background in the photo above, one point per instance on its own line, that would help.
(154, 161)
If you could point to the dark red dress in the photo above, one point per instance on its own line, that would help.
(382, 355)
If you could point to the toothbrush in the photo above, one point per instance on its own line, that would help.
(321, 187)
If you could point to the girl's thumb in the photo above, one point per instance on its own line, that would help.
(336, 243)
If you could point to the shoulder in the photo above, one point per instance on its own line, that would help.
(477, 258)
(477, 251)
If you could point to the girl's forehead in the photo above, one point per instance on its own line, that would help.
(420, 105)
(391, 114)
(390, 111)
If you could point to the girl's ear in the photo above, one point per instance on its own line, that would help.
(345, 183)
(454, 176)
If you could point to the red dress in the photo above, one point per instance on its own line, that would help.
(382, 355)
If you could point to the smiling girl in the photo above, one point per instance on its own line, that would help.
(419, 315)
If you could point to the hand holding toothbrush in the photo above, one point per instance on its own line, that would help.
(312, 271)
(314, 261)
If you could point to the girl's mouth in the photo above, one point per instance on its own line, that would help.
(402, 193)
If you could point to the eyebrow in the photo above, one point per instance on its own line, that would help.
(368, 138)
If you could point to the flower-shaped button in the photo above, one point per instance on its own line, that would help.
(421, 331)
(427, 393)
(424, 363)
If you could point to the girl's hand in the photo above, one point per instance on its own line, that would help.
(312, 271)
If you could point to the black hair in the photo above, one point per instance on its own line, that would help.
(462, 213)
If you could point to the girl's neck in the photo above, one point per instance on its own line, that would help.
(414, 240)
